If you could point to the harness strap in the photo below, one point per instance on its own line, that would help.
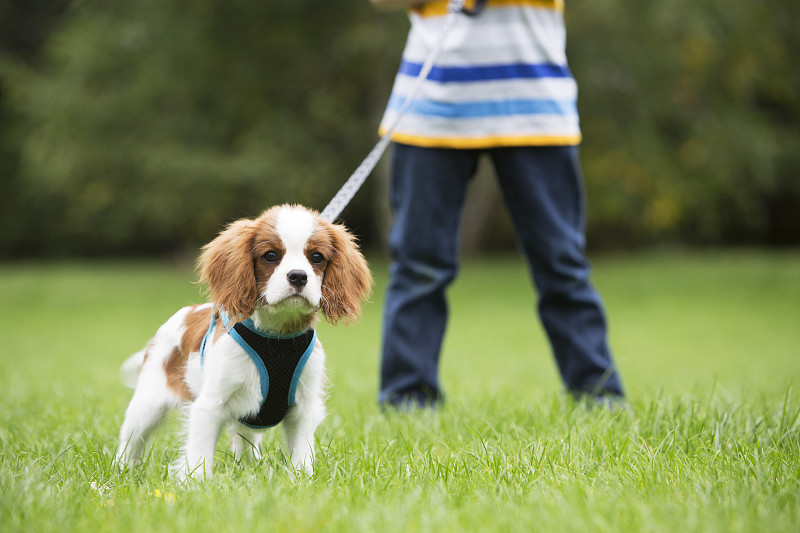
(207, 336)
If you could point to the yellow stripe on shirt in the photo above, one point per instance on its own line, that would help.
(438, 8)
(495, 141)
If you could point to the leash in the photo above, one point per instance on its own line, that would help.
(357, 178)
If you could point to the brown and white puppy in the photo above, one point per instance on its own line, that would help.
(275, 273)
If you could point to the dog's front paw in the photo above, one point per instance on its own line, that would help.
(304, 463)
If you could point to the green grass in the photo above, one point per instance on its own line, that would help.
(708, 346)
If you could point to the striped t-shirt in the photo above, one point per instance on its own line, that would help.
(501, 80)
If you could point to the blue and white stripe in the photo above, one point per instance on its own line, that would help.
(502, 80)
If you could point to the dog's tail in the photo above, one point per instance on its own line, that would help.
(129, 371)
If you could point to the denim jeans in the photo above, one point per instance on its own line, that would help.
(543, 190)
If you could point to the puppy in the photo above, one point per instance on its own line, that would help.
(250, 359)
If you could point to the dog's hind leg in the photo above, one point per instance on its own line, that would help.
(144, 414)
(152, 400)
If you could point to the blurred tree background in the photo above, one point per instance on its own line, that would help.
(131, 128)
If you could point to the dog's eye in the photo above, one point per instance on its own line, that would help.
(317, 258)
(270, 257)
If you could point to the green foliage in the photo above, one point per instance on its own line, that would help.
(142, 127)
(690, 112)
(706, 344)
(152, 123)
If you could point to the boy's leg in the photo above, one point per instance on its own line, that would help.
(427, 197)
(543, 189)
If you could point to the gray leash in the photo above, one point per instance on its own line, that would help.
(357, 179)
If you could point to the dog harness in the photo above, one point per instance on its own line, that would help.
(280, 360)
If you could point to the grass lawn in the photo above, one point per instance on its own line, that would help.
(708, 346)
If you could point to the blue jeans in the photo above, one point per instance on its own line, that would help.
(543, 191)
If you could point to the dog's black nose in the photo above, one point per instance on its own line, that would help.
(298, 278)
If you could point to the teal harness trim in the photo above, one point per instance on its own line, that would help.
(278, 351)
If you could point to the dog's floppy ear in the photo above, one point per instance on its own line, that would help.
(347, 279)
(226, 265)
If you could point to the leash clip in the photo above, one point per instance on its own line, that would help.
(475, 10)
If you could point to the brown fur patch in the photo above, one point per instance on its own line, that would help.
(226, 265)
(175, 369)
(196, 323)
(348, 280)
(320, 242)
(266, 240)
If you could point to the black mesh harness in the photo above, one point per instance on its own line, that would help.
(280, 360)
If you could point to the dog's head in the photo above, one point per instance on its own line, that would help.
(285, 265)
